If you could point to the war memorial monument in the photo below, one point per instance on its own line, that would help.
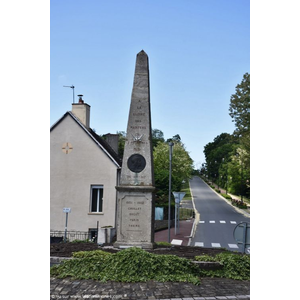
(135, 204)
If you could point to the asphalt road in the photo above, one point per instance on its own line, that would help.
(217, 218)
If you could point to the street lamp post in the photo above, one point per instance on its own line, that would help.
(241, 185)
(171, 144)
(242, 181)
(226, 173)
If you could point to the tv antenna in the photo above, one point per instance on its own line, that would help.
(72, 87)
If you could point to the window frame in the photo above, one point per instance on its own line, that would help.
(97, 187)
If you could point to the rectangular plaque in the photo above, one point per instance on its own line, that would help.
(133, 212)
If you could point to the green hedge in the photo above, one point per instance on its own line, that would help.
(129, 265)
(226, 196)
(235, 266)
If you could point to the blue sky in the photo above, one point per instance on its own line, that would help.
(198, 52)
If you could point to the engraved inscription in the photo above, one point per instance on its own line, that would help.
(133, 210)
(137, 127)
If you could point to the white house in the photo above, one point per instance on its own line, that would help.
(84, 171)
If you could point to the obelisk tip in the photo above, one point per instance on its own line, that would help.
(142, 52)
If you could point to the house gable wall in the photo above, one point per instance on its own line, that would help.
(72, 172)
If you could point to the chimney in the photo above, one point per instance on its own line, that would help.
(112, 140)
(82, 111)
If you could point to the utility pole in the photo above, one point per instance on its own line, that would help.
(171, 144)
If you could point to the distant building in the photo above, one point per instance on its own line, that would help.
(84, 171)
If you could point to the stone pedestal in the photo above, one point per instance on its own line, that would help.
(135, 217)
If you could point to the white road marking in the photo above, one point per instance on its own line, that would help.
(201, 222)
(233, 222)
(233, 246)
(216, 245)
(176, 242)
(199, 244)
(223, 222)
(212, 221)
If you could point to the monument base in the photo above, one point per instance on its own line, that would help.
(122, 245)
(135, 226)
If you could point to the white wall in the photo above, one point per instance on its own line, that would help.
(73, 174)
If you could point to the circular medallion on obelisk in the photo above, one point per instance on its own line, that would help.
(136, 163)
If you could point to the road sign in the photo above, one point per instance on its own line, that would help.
(178, 196)
(241, 234)
(66, 210)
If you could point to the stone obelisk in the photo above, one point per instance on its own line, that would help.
(135, 207)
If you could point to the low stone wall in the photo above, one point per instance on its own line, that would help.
(56, 260)
(208, 265)
(162, 224)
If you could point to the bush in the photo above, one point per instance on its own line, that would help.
(238, 203)
(226, 196)
(90, 254)
(129, 265)
(163, 244)
(81, 241)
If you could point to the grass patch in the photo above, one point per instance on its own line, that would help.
(186, 189)
(226, 196)
(166, 244)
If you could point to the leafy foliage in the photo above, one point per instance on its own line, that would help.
(226, 196)
(228, 156)
(239, 108)
(121, 143)
(157, 136)
(130, 265)
(163, 244)
(235, 266)
(90, 254)
(182, 167)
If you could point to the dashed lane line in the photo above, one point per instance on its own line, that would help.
(216, 245)
(213, 222)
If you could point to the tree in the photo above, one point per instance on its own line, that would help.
(121, 143)
(218, 151)
(157, 136)
(228, 156)
(239, 173)
(182, 167)
(239, 108)
(175, 139)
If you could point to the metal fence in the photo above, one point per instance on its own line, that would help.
(71, 235)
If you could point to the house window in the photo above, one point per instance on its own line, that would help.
(96, 198)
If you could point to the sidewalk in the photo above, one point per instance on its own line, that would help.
(210, 288)
(182, 236)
